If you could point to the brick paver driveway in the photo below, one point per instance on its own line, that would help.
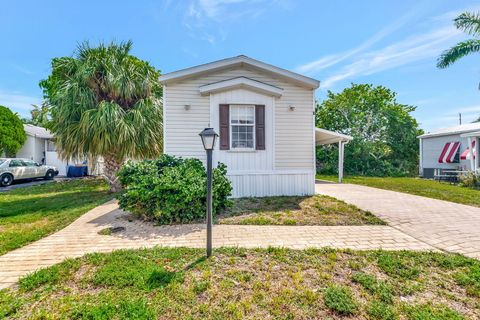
(82, 237)
(444, 225)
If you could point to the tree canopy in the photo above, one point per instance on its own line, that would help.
(383, 130)
(39, 116)
(12, 133)
(105, 102)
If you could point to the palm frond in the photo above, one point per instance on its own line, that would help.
(468, 22)
(458, 51)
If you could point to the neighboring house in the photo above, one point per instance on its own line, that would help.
(449, 148)
(40, 147)
(264, 116)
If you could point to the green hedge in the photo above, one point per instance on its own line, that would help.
(171, 190)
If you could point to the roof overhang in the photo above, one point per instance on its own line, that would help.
(239, 61)
(324, 136)
(471, 134)
(241, 82)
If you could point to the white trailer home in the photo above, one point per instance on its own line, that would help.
(264, 116)
(40, 147)
(449, 148)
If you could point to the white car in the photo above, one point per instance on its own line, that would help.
(17, 169)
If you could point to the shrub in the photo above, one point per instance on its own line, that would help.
(340, 299)
(171, 189)
(470, 180)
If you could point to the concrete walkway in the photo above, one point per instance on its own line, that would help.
(444, 225)
(82, 237)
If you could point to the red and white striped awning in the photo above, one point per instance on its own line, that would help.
(466, 154)
(449, 152)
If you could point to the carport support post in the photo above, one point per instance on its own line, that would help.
(472, 160)
(341, 148)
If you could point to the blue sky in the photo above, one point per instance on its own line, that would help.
(390, 43)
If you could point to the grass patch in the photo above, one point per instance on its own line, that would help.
(420, 187)
(273, 283)
(30, 213)
(295, 210)
(340, 299)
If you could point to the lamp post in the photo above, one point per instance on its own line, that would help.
(209, 136)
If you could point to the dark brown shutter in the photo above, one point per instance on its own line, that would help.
(260, 127)
(224, 127)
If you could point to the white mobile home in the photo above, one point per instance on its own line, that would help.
(264, 116)
(40, 147)
(449, 148)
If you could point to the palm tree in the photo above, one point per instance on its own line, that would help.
(105, 102)
(469, 23)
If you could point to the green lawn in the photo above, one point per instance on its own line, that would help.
(178, 283)
(30, 213)
(417, 186)
(296, 210)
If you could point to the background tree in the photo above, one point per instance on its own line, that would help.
(12, 134)
(39, 116)
(468, 22)
(383, 130)
(105, 102)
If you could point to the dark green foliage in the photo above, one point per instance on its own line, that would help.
(432, 312)
(377, 287)
(123, 309)
(340, 299)
(397, 264)
(470, 279)
(51, 275)
(383, 130)
(381, 311)
(12, 134)
(171, 190)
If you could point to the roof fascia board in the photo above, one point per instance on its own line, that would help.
(241, 82)
(238, 61)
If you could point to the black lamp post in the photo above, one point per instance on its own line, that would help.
(209, 136)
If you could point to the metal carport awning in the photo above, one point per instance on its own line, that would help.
(323, 137)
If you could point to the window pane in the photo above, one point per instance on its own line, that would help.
(242, 136)
(243, 114)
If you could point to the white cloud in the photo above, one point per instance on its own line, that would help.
(413, 49)
(330, 60)
(214, 14)
(18, 102)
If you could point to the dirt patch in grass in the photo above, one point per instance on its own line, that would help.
(293, 210)
(272, 283)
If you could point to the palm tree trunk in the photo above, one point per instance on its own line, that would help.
(112, 165)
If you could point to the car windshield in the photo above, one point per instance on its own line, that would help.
(2, 161)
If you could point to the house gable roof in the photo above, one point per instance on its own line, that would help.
(463, 128)
(241, 82)
(36, 131)
(239, 61)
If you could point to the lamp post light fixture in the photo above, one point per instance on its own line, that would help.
(209, 136)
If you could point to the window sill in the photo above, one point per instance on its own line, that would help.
(241, 150)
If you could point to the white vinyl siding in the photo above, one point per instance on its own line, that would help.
(293, 133)
(432, 149)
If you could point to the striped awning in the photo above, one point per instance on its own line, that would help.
(449, 152)
(466, 154)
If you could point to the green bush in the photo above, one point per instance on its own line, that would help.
(470, 180)
(171, 189)
(340, 299)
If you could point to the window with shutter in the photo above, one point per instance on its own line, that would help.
(242, 127)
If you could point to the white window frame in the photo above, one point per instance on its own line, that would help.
(230, 125)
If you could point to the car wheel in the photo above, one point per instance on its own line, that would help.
(6, 180)
(49, 175)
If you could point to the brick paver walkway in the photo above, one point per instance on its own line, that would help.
(82, 237)
(445, 225)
